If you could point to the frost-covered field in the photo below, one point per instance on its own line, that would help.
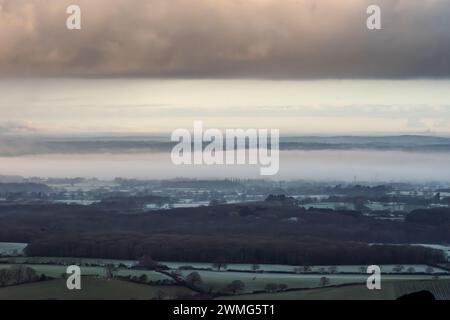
(419, 268)
(266, 268)
(56, 271)
(12, 249)
(257, 282)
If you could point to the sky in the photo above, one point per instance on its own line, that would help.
(302, 66)
(226, 38)
(305, 67)
(155, 106)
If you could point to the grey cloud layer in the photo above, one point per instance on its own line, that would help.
(226, 38)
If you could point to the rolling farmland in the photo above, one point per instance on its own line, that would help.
(92, 289)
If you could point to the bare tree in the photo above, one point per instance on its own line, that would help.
(143, 278)
(324, 281)
(429, 270)
(176, 274)
(333, 269)
(109, 271)
(235, 286)
(255, 267)
(148, 263)
(399, 268)
(411, 270)
(307, 269)
(194, 279)
(219, 264)
(17, 274)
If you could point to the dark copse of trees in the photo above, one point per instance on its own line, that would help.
(440, 216)
(252, 233)
(234, 287)
(244, 249)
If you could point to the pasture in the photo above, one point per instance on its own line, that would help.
(56, 271)
(257, 281)
(344, 281)
(92, 289)
(270, 268)
(390, 290)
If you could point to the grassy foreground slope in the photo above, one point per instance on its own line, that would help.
(258, 281)
(92, 289)
(390, 291)
(352, 292)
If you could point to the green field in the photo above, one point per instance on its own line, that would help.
(303, 286)
(257, 281)
(216, 281)
(70, 261)
(348, 269)
(390, 290)
(103, 289)
(92, 289)
(353, 292)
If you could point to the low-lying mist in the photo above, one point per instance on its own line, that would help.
(347, 165)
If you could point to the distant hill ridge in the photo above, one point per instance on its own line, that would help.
(27, 146)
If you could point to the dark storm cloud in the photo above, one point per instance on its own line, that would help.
(226, 38)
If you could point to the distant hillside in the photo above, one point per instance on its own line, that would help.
(23, 146)
(404, 142)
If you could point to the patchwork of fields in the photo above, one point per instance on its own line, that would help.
(269, 268)
(257, 282)
(56, 271)
(218, 280)
(390, 290)
(344, 282)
